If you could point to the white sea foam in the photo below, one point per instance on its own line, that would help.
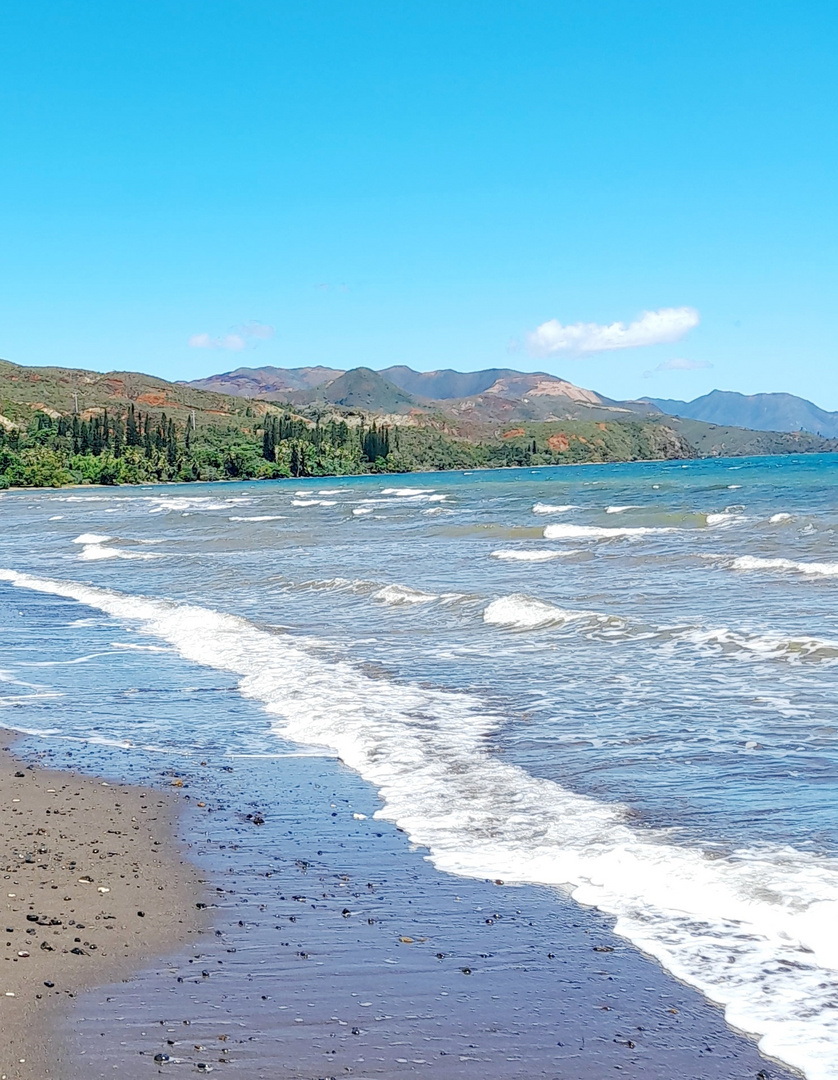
(724, 519)
(92, 538)
(549, 508)
(359, 510)
(514, 555)
(523, 613)
(313, 502)
(595, 532)
(403, 594)
(812, 569)
(98, 552)
(520, 612)
(403, 492)
(621, 509)
(193, 503)
(754, 930)
(776, 519)
(765, 645)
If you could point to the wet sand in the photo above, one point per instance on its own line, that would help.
(338, 950)
(92, 887)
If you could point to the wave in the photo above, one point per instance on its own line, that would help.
(313, 502)
(394, 595)
(523, 613)
(359, 510)
(192, 503)
(549, 508)
(260, 517)
(813, 569)
(762, 645)
(527, 556)
(98, 552)
(403, 492)
(724, 519)
(92, 538)
(403, 594)
(777, 519)
(596, 532)
(621, 509)
(520, 612)
(753, 930)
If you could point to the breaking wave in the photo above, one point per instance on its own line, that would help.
(753, 930)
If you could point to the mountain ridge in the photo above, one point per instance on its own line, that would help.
(757, 412)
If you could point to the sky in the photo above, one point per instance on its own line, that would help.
(639, 197)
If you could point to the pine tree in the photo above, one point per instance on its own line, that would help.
(132, 433)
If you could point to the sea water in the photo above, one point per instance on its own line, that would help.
(619, 681)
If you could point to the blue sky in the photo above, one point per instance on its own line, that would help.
(425, 183)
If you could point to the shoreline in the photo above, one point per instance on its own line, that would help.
(417, 472)
(94, 886)
(338, 949)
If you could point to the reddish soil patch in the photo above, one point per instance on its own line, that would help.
(152, 399)
(558, 442)
(514, 433)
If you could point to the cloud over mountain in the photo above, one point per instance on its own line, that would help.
(651, 328)
(239, 338)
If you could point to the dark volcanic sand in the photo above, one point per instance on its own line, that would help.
(339, 951)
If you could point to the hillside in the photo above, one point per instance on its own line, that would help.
(57, 390)
(759, 412)
(718, 440)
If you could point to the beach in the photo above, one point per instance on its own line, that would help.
(93, 886)
(332, 950)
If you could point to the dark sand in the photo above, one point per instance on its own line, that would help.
(80, 859)
(339, 951)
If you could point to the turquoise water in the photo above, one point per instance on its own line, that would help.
(619, 681)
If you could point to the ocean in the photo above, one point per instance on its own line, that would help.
(618, 682)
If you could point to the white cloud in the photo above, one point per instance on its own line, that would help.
(651, 328)
(237, 339)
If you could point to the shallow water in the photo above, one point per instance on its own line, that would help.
(618, 681)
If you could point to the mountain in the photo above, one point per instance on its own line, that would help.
(269, 383)
(758, 412)
(361, 390)
(448, 385)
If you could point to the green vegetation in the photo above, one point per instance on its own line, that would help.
(135, 447)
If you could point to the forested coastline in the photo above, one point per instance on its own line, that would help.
(136, 447)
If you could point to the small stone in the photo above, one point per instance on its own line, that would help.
(160, 1058)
